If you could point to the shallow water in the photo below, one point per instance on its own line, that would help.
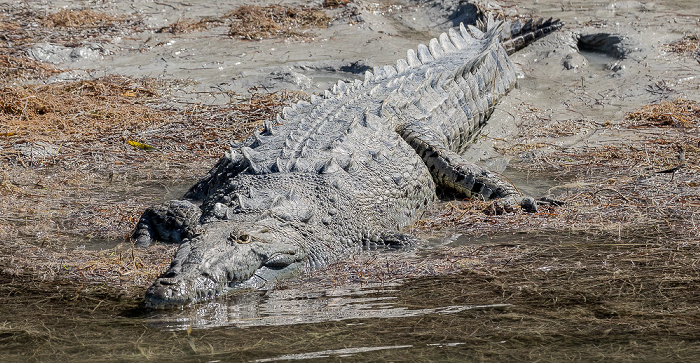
(450, 318)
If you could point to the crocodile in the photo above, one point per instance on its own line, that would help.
(344, 171)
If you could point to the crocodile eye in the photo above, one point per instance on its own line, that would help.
(244, 238)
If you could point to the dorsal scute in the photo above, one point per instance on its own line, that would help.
(369, 77)
(389, 71)
(378, 73)
(516, 28)
(412, 58)
(340, 87)
(459, 42)
(489, 47)
(435, 49)
(316, 99)
(424, 54)
(402, 65)
(446, 44)
(475, 32)
(452, 41)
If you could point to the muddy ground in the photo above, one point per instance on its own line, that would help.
(110, 107)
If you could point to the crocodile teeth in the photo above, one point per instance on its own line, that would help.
(369, 76)
(316, 99)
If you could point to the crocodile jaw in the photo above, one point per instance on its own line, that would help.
(212, 263)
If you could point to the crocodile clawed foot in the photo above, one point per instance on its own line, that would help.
(528, 204)
(510, 204)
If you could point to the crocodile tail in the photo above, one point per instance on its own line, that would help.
(518, 35)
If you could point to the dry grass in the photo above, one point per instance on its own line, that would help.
(15, 67)
(101, 117)
(332, 4)
(190, 25)
(87, 18)
(648, 140)
(254, 22)
(19, 30)
(124, 266)
(678, 113)
(688, 45)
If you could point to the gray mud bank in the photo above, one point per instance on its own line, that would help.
(577, 73)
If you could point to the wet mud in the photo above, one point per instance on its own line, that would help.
(110, 107)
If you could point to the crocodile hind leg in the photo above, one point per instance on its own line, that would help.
(172, 221)
(451, 171)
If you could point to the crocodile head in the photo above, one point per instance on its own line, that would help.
(228, 255)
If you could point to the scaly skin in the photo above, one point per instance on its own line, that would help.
(347, 171)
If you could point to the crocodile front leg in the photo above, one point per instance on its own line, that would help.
(451, 171)
(172, 221)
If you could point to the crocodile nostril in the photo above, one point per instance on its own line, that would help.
(239, 238)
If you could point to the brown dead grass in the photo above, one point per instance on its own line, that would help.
(19, 30)
(332, 4)
(689, 44)
(654, 135)
(20, 68)
(254, 22)
(86, 18)
(104, 115)
(678, 113)
(190, 25)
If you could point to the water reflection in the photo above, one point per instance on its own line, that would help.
(347, 352)
(298, 306)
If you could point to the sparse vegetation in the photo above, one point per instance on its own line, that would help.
(688, 45)
(254, 22)
(86, 18)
